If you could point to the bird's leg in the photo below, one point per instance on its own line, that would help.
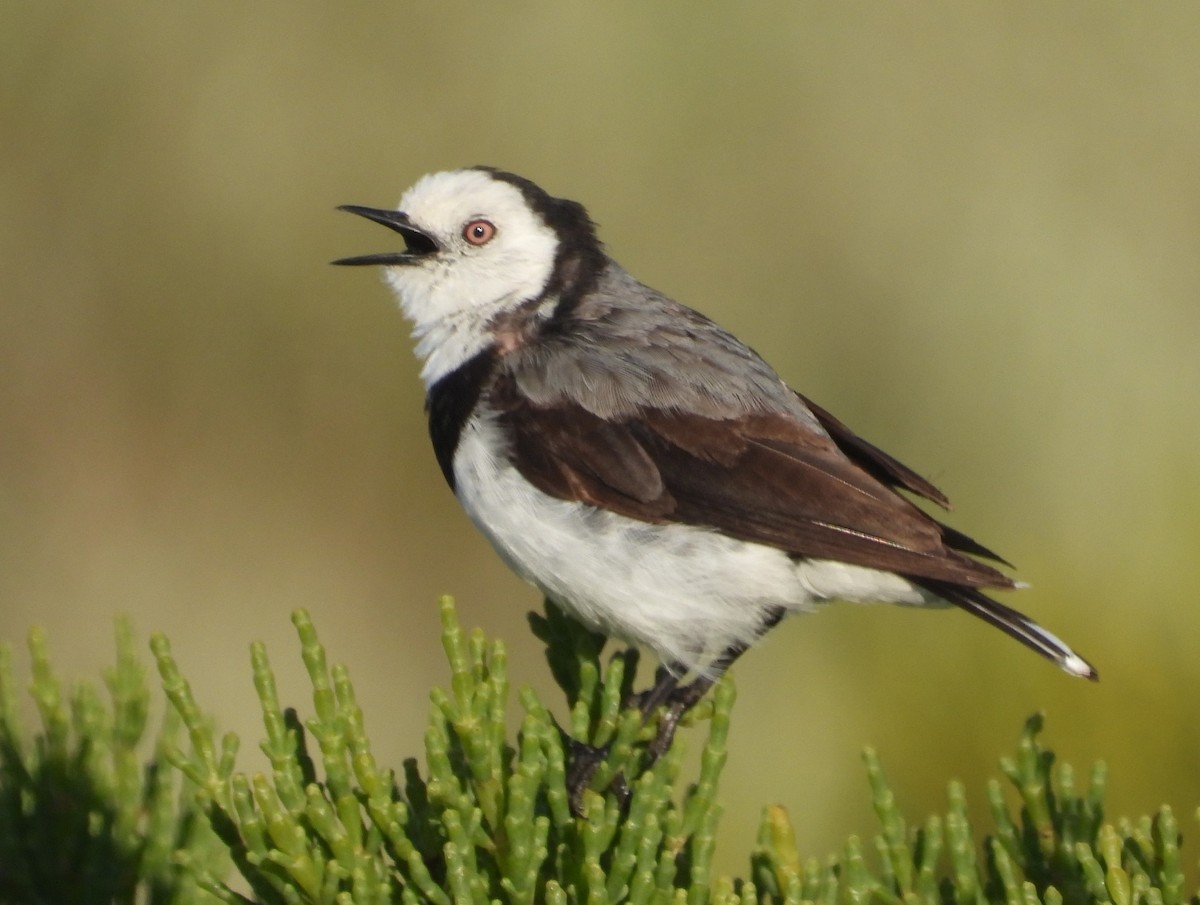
(583, 760)
(679, 699)
(683, 698)
(666, 681)
(666, 692)
(678, 703)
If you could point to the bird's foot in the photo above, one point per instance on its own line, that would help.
(583, 762)
(678, 702)
(670, 700)
(675, 701)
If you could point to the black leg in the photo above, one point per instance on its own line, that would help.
(666, 692)
(680, 699)
(583, 760)
(683, 698)
(666, 681)
(680, 703)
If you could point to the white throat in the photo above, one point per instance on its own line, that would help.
(446, 343)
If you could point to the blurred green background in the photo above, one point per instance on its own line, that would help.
(972, 231)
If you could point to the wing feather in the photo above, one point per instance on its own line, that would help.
(873, 459)
(895, 473)
(761, 477)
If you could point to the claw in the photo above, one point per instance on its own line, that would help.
(584, 761)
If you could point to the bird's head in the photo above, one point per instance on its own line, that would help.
(478, 243)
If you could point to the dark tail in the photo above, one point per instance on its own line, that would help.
(1012, 623)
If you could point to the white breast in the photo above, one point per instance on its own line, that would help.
(686, 592)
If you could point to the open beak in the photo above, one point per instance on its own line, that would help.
(418, 243)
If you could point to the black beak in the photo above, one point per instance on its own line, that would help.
(418, 243)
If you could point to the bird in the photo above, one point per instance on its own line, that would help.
(640, 465)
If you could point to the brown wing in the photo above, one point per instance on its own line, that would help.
(765, 478)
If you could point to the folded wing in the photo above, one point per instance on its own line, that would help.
(761, 477)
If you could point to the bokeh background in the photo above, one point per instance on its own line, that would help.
(972, 231)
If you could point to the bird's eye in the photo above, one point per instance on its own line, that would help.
(479, 232)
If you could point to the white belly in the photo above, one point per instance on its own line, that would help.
(687, 592)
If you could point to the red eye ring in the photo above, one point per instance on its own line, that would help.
(479, 232)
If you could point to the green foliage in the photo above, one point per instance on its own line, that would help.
(82, 818)
(486, 819)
